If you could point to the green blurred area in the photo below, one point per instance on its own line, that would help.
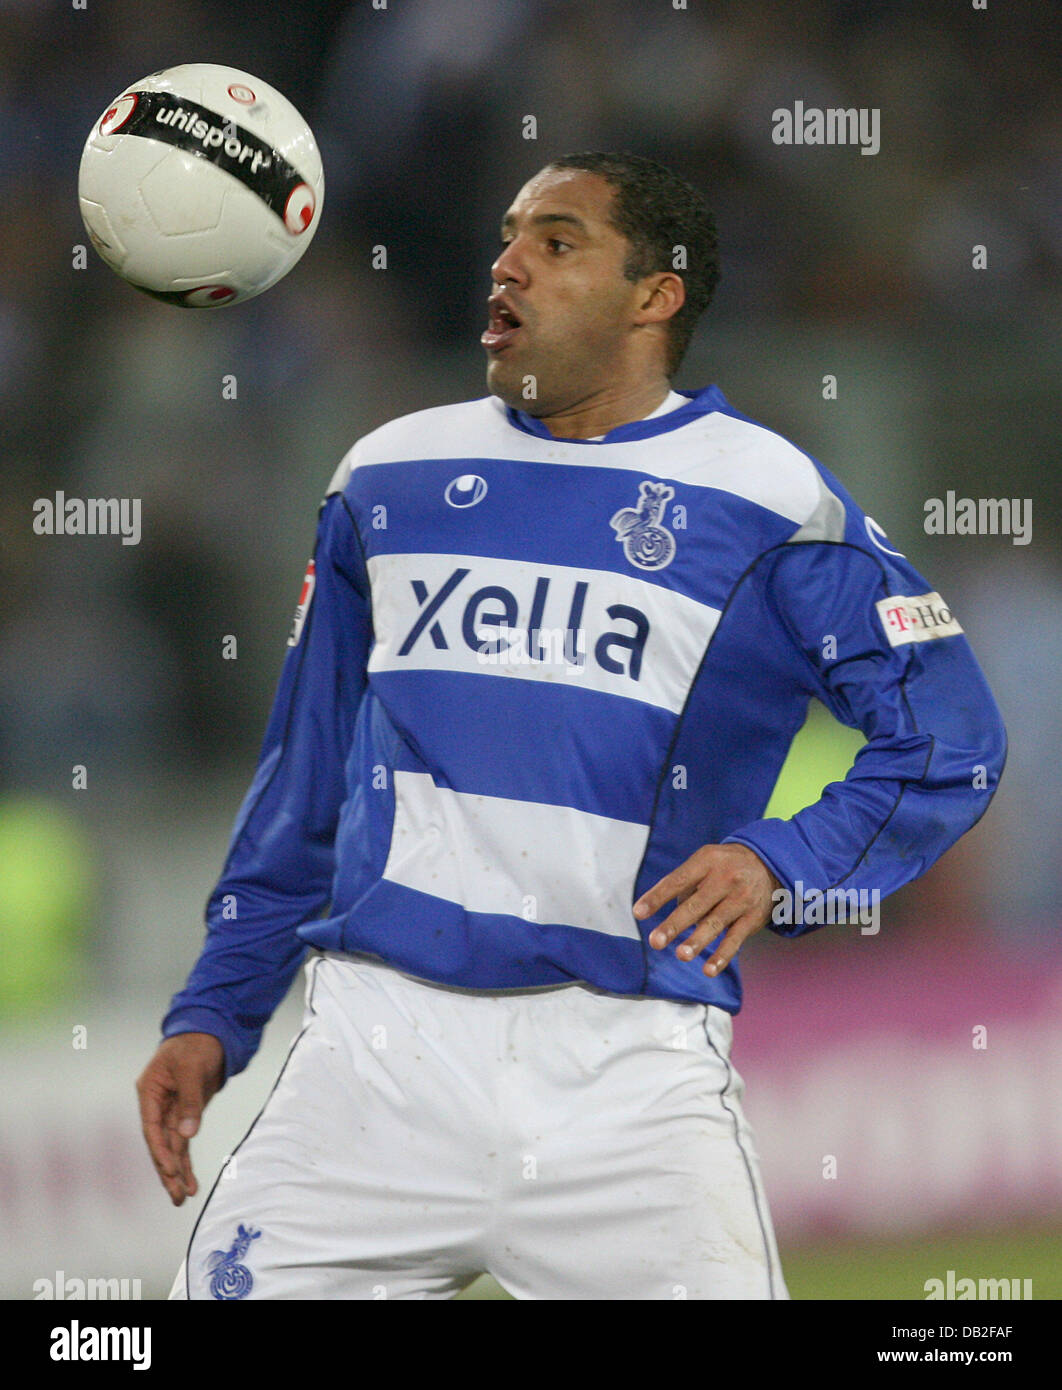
(47, 902)
(822, 752)
(899, 1269)
(869, 1270)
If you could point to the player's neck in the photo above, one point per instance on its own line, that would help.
(607, 409)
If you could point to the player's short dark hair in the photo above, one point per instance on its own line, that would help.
(659, 212)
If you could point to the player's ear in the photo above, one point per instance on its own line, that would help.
(661, 296)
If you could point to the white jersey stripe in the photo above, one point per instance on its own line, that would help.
(715, 450)
(540, 863)
(647, 648)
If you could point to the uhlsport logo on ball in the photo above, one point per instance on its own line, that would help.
(201, 185)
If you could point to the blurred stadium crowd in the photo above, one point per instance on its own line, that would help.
(832, 263)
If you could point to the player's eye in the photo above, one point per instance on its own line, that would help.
(557, 246)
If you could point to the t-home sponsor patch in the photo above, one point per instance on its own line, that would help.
(916, 619)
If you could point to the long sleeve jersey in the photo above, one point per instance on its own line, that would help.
(529, 676)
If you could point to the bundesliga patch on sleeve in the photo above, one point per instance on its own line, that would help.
(303, 606)
(919, 619)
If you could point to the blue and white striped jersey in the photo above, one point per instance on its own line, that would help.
(529, 676)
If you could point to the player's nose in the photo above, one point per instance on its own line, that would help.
(509, 267)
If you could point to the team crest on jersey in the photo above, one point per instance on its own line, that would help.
(230, 1279)
(646, 543)
(309, 583)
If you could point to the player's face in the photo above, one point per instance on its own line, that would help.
(560, 311)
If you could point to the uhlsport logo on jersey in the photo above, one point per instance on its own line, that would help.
(646, 543)
(466, 490)
(879, 538)
(229, 1278)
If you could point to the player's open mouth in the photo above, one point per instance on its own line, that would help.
(502, 324)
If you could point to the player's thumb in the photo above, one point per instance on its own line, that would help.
(187, 1124)
(188, 1109)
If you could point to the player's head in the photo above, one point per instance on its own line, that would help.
(608, 261)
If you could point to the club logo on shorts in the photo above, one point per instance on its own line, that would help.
(646, 543)
(230, 1279)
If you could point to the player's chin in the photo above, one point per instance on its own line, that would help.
(507, 381)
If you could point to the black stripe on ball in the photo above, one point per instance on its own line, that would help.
(256, 164)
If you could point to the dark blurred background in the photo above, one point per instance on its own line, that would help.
(833, 263)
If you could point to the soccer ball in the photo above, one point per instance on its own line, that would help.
(201, 185)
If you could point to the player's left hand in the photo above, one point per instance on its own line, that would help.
(722, 888)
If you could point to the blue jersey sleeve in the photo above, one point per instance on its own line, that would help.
(886, 656)
(278, 872)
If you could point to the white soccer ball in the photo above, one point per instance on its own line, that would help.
(201, 185)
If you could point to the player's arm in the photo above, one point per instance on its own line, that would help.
(934, 754)
(279, 868)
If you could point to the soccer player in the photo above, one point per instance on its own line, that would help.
(546, 665)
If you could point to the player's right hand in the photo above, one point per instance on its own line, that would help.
(174, 1089)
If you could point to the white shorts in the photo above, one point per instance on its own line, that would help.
(572, 1143)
